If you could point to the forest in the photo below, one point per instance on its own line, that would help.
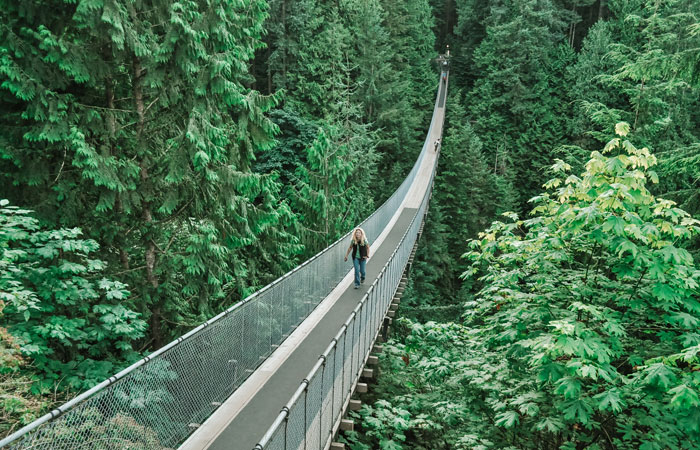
(160, 160)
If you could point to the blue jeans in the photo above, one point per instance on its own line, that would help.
(359, 269)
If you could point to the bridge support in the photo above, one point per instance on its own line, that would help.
(347, 425)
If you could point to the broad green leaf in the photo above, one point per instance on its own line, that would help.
(684, 397)
(609, 400)
(622, 128)
(389, 444)
(551, 424)
(578, 410)
(507, 419)
(663, 291)
(659, 374)
(569, 387)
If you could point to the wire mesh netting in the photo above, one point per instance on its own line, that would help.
(343, 362)
(159, 401)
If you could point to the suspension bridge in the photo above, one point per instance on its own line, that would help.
(275, 371)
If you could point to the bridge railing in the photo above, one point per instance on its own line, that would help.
(311, 417)
(158, 401)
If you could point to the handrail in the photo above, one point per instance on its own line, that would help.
(273, 436)
(166, 394)
(320, 424)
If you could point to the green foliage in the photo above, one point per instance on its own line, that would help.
(352, 69)
(642, 68)
(517, 101)
(73, 323)
(424, 391)
(583, 332)
(137, 123)
(468, 194)
(470, 191)
(384, 425)
(589, 92)
(134, 121)
(594, 305)
(332, 189)
(18, 404)
(411, 88)
(327, 205)
(430, 290)
(580, 328)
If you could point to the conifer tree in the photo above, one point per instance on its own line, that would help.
(596, 103)
(659, 78)
(430, 293)
(321, 194)
(371, 57)
(469, 31)
(514, 103)
(409, 25)
(639, 66)
(467, 185)
(137, 117)
(333, 192)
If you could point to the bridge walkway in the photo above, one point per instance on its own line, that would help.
(241, 421)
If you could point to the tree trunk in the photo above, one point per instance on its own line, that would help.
(112, 127)
(572, 28)
(269, 70)
(146, 211)
(448, 17)
(639, 101)
(146, 214)
(284, 53)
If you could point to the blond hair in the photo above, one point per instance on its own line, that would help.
(363, 238)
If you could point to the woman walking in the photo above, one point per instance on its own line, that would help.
(360, 254)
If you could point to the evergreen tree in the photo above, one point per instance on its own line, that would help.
(137, 123)
(659, 75)
(467, 185)
(321, 194)
(412, 44)
(596, 103)
(333, 192)
(445, 12)
(468, 195)
(515, 103)
(469, 32)
(647, 76)
(371, 58)
(430, 291)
